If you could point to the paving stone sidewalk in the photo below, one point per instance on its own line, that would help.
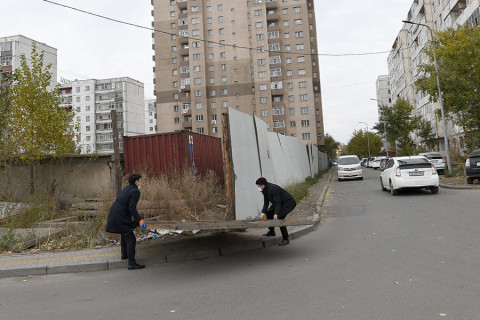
(152, 252)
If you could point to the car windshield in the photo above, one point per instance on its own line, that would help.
(348, 160)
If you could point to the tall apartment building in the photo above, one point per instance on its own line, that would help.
(92, 101)
(259, 57)
(12, 47)
(150, 116)
(408, 53)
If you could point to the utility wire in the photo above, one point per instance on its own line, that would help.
(224, 44)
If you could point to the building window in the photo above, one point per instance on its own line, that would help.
(196, 56)
(285, 23)
(87, 119)
(262, 87)
(194, 21)
(264, 113)
(200, 130)
(275, 85)
(175, 108)
(279, 123)
(173, 25)
(300, 46)
(274, 47)
(293, 124)
(285, 11)
(262, 74)
(194, 9)
(305, 123)
(225, 104)
(301, 59)
(195, 32)
(275, 59)
(214, 129)
(258, 12)
(276, 72)
(303, 97)
(198, 93)
(291, 110)
(291, 98)
(302, 72)
(221, 31)
(224, 92)
(306, 136)
(297, 9)
(223, 66)
(196, 44)
(220, 19)
(258, 25)
(302, 84)
(209, 20)
(199, 117)
(278, 111)
(87, 128)
(87, 108)
(213, 105)
(273, 34)
(224, 79)
(304, 110)
(260, 36)
(263, 100)
(174, 48)
(197, 80)
(172, 13)
(174, 60)
(261, 62)
(298, 21)
(220, 7)
(77, 99)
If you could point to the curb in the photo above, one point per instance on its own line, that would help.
(453, 187)
(175, 257)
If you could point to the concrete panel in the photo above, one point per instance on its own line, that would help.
(246, 164)
(322, 161)
(281, 160)
(265, 153)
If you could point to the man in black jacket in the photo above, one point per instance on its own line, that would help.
(282, 204)
(123, 218)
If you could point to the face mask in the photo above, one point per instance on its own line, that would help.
(260, 189)
(139, 187)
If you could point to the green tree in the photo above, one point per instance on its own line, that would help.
(330, 147)
(4, 112)
(458, 56)
(400, 125)
(37, 126)
(427, 136)
(358, 144)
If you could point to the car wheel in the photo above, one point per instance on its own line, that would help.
(339, 179)
(381, 184)
(393, 191)
(375, 168)
(434, 190)
(470, 180)
(361, 178)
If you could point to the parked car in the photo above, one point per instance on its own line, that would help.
(436, 159)
(349, 168)
(375, 164)
(409, 172)
(383, 163)
(364, 162)
(472, 166)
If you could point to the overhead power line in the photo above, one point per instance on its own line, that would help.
(223, 44)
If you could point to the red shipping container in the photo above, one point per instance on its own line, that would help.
(165, 152)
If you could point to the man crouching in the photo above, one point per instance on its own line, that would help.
(282, 204)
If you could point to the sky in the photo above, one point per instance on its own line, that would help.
(89, 47)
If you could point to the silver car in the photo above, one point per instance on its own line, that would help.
(436, 159)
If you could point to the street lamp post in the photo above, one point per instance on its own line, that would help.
(384, 123)
(368, 141)
(445, 134)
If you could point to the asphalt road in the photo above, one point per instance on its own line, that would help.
(375, 256)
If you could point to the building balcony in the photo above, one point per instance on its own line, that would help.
(184, 51)
(276, 27)
(187, 124)
(183, 40)
(271, 4)
(277, 92)
(187, 112)
(272, 17)
(182, 4)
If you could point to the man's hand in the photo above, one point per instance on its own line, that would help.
(142, 224)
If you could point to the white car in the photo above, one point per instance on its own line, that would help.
(436, 159)
(349, 168)
(409, 172)
(375, 164)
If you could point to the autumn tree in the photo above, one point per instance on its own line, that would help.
(458, 57)
(358, 144)
(330, 147)
(426, 136)
(37, 127)
(400, 123)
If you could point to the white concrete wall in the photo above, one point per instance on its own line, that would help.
(280, 159)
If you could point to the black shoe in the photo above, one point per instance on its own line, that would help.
(284, 242)
(124, 257)
(136, 266)
(269, 234)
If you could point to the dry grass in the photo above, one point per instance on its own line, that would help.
(182, 196)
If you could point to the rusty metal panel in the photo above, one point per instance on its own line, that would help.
(166, 152)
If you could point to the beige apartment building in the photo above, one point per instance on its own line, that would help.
(259, 57)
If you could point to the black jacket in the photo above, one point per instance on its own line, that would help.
(276, 195)
(123, 215)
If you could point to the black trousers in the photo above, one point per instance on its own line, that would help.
(127, 243)
(286, 208)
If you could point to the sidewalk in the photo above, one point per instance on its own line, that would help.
(460, 184)
(152, 252)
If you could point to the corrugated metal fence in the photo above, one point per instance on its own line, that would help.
(165, 152)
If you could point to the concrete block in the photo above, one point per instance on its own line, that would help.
(299, 233)
(241, 248)
(271, 242)
(119, 264)
(23, 272)
(199, 254)
(87, 267)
